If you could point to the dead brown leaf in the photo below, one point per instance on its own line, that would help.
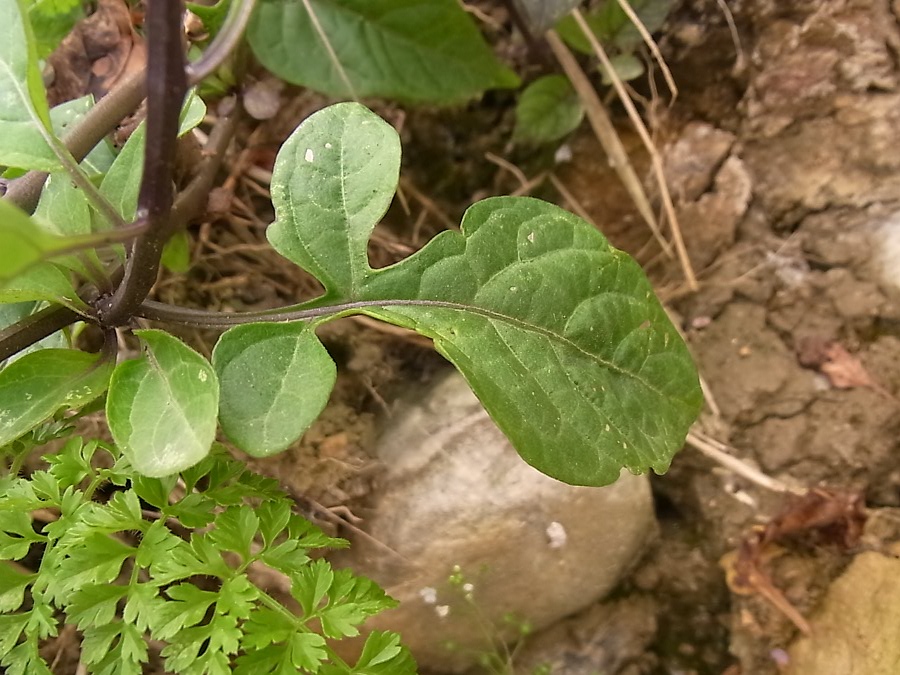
(843, 369)
(101, 50)
(835, 516)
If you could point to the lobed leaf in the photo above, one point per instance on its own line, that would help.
(162, 407)
(337, 175)
(274, 381)
(559, 334)
(413, 50)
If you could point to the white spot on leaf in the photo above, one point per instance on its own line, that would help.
(530, 237)
(202, 376)
(310, 155)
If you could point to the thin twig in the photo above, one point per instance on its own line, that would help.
(655, 159)
(740, 62)
(652, 46)
(34, 328)
(607, 135)
(166, 88)
(719, 453)
(573, 203)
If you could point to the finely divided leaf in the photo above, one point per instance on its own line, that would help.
(36, 386)
(24, 114)
(413, 50)
(162, 407)
(558, 333)
(275, 379)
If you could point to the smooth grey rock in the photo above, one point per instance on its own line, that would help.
(474, 542)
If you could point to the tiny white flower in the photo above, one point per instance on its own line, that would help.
(428, 595)
(442, 610)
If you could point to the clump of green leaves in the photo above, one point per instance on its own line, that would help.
(126, 558)
(549, 107)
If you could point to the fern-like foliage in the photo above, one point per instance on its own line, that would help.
(168, 559)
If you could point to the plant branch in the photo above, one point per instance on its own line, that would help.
(200, 318)
(100, 203)
(166, 88)
(230, 34)
(195, 195)
(34, 328)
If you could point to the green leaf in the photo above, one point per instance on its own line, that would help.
(96, 560)
(12, 589)
(547, 110)
(275, 379)
(25, 659)
(542, 14)
(212, 16)
(11, 627)
(71, 464)
(613, 28)
(17, 535)
(63, 209)
(122, 182)
(23, 243)
(176, 255)
(94, 605)
(413, 50)
(162, 407)
(64, 116)
(336, 177)
(235, 529)
(558, 333)
(187, 607)
(43, 282)
(51, 21)
(24, 114)
(384, 655)
(36, 386)
(310, 585)
(115, 648)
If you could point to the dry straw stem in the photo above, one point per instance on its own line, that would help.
(656, 160)
(721, 454)
(652, 46)
(606, 134)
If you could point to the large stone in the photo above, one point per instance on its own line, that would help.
(855, 630)
(475, 544)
